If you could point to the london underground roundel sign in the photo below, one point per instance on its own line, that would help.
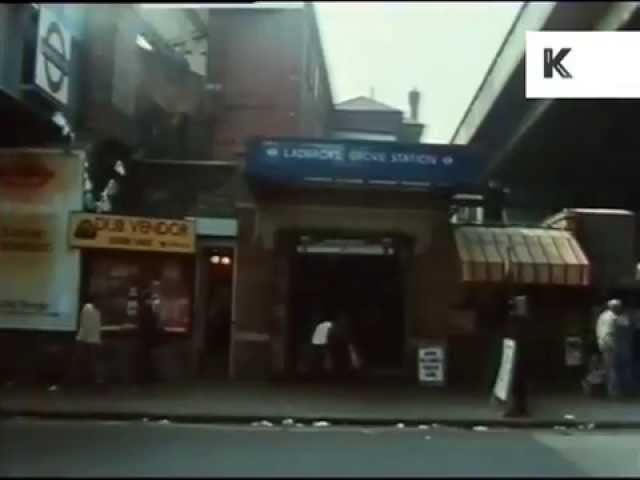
(53, 56)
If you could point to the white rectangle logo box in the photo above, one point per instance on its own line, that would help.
(600, 64)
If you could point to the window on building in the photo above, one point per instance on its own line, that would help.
(473, 215)
(359, 135)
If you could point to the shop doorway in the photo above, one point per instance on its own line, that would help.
(216, 299)
(364, 282)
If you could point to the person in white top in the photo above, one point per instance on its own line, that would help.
(320, 346)
(605, 333)
(88, 342)
(321, 333)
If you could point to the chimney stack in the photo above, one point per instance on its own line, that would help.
(414, 104)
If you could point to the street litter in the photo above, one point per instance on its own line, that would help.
(400, 425)
(562, 430)
(299, 425)
(288, 421)
(423, 427)
(321, 423)
(591, 426)
(480, 428)
(164, 422)
(53, 388)
(569, 417)
(264, 423)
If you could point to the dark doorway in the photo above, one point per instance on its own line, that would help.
(367, 288)
(217, 312)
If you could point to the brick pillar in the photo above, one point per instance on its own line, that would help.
(251, 348)
(435, 283)
(280, 328)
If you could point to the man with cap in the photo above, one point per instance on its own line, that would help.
(605, 333)
(517, 328)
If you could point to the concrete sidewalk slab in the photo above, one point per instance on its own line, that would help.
(365, 405)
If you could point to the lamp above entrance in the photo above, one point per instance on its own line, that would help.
(220, 260)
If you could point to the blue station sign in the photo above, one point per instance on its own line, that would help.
(299, 162)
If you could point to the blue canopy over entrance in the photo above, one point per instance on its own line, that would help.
(308, 162)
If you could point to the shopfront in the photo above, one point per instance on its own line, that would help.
(355, 228)
(121, 257)
(551, 268)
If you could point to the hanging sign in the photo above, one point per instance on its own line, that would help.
(504, 380)
(431, 364)
(53, 56)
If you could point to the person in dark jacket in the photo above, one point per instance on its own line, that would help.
(497, 330)
(148, 336)
(339, 342)
(517, 330)
(636, 351)
(623, 351)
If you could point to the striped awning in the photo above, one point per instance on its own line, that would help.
(532, 256)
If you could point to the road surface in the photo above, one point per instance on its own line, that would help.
(83, 448)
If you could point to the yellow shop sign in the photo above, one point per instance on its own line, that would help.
(88, 230)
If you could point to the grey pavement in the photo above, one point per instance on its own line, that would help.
(88, 448)
(347, 404)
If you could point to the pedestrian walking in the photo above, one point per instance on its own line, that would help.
(497, 328)
(605, 332)
(623, 352)
(517, 323)
(84, 363)
(339, 343)
(635, 322)
(148, 336)
(320, 355)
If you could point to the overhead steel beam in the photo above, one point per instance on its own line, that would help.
(198, 23)
(532, 16)
(618, 16)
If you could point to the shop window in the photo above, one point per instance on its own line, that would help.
(115, 276)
